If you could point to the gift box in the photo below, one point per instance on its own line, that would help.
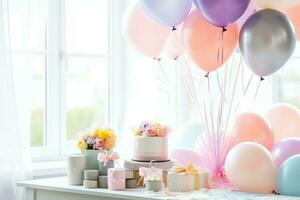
(131, 183)
(137, 176)
(90, 184)
(91, 175)
(187, 178)
(106, 161)
(116, 178)
(103, 182)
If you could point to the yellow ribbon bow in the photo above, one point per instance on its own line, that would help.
(189, 169)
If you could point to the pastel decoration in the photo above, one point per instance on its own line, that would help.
(90, 184)
(75, 168)
(285, 149)
(168, 12)
(103, 182)
(139, 30)
(150, 148)
(250, 10)
(91, 174)
(250, 127)
(220, 13)
(186, 156)
(150, 174)
(249, 167)
(204, 50)
(294, 15)
(116, 178)
(284, 120)
(288, 179)
(186, 179)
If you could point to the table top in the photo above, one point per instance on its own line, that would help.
(61, 185)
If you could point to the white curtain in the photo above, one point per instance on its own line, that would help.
(14, 117)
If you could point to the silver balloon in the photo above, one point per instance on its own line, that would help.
(267, 40)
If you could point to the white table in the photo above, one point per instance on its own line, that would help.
(58, 189)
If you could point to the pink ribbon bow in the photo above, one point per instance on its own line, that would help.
(105, 157)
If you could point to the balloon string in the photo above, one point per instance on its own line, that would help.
(166, 91)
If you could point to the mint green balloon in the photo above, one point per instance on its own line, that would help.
(288, 177)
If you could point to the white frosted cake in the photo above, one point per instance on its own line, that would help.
(150, 148)
(151, 142)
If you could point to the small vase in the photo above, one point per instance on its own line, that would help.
(91, 159)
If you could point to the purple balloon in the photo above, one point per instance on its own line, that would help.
(168, 12)
(285, 149)
(222, 12)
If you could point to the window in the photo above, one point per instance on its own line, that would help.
(287, 84)
(63, 47)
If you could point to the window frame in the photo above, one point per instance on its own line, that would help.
(55, 145)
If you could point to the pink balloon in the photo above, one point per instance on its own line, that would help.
(186, 156)
(285, 149)
(250, 127)
(284, 120)
(249, 167)
(143, 33)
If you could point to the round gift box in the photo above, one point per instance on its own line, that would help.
(91, 174)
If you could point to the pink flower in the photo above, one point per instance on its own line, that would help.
(99, 144)
(150, 132)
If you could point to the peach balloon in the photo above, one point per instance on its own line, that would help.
(250, 127)
(284, 120)
(202, 41)
(294, 15)
(249, 168)
(143, 33)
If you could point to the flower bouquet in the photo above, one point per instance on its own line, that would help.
(92, 142)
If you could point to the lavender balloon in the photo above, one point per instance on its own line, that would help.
(222, 12)
(285, 149)
(168, 12)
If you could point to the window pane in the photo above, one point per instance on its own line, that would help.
(30, 84)
(289, 83)
(86, 26)
(87, 93)
(28, 31)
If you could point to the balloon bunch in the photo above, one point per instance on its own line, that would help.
(264, 31)
(254, 163)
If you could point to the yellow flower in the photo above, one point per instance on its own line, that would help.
(81, 144)
(103, 133)
(110, 142)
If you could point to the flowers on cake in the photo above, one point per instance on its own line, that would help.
(96, 139)
(152, 129)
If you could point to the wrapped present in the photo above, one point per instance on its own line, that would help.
(129, 174)
(187, 178)
(116, 178)
(150, 173)
(91, 175)
(106, 161)
(103, 182)
(141, 182)
(90, 184)
(131, 183)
